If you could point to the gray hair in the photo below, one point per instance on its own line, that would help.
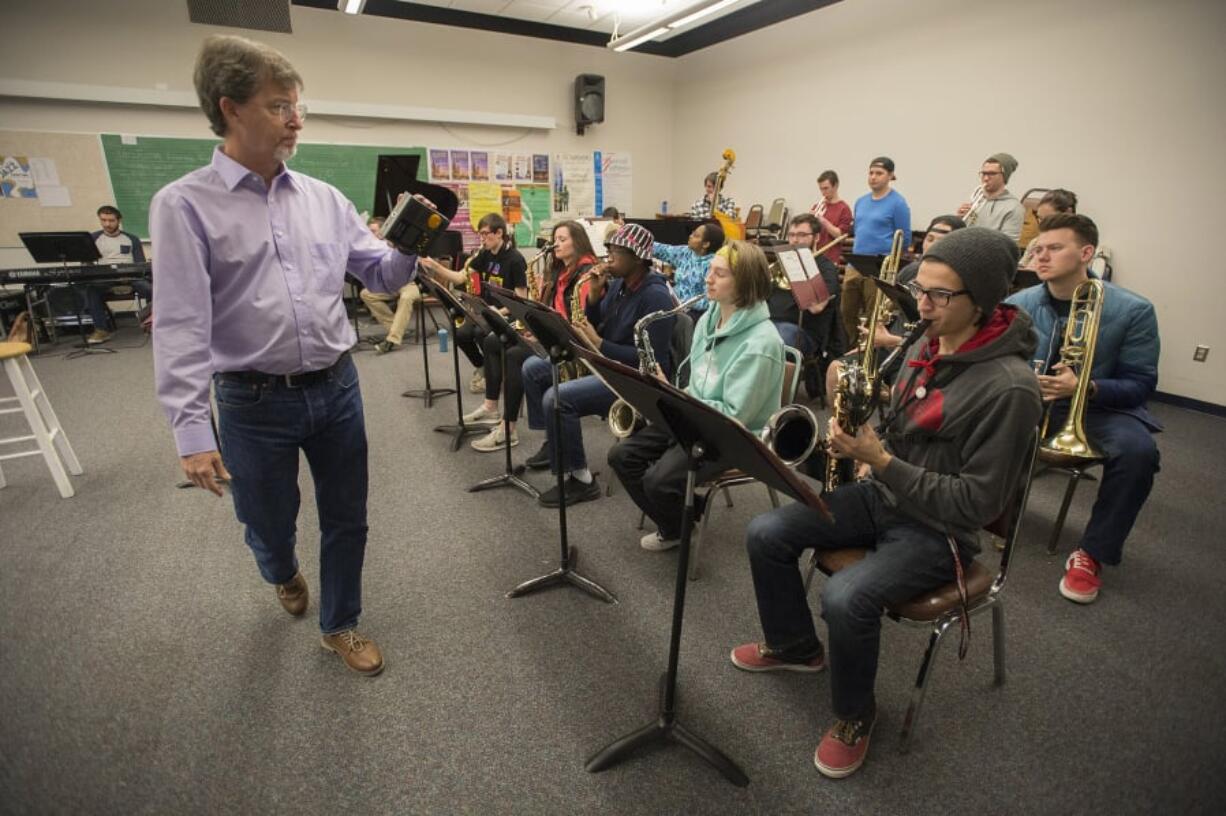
(236, 67)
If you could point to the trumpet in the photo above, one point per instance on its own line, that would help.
(623, 419)
(978, 198)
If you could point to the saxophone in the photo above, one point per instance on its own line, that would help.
(534, 280)
(623, 419)
(857, 393)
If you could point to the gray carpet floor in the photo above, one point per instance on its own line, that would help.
(146, 668)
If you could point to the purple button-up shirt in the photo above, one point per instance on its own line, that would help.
(249, 277)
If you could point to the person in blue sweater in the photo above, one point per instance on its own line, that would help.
(735, 365)
(612, 310)
(878, 214)
(1122, 377)
(690, 263)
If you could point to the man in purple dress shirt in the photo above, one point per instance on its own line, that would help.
(251, 260)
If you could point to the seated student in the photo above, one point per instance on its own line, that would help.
(704, 207)
(1052, 202)
(946, 463)
(573, 257)
(616, 220)
(889, 337)
(608, 324)
(497, 262)
(809, 332)
(999, 209)
(736, 366)
(406, 299)
(690, 263)
(116, 247)
(1123, 375)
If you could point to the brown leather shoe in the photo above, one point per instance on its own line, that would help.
(294, 595)
(359, 654)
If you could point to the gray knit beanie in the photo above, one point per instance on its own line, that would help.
(1007, 164)
(985, 259)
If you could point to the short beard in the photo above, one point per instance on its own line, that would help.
(283, 154)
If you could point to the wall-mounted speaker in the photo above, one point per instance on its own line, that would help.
(589, 101)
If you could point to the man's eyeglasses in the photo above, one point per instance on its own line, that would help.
(287, 111)
(939, 297)
(484, 233)
(990, 173)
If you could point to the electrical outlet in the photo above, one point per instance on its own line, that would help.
(1201, 354)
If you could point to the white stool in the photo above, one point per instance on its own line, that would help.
(52, 443)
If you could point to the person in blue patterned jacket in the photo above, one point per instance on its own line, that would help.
(1123, 375)
(691, 263)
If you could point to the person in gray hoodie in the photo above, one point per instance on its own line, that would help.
(735, 365)
(943, 463)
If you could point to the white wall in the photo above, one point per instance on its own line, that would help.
(1117, 100)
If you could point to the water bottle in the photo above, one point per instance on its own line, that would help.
(442, 340)
(664, 207)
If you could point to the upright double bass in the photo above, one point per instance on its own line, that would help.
(733, 229)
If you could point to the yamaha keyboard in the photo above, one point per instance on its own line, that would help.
(44, 275)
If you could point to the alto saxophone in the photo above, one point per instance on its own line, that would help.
(623, 419)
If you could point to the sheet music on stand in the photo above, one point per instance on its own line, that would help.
(800, 267)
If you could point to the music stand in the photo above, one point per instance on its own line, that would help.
(507, 337)
(557, 337)
(709, 438)
(429, 394)
(456, 311)
(867, 265)
(64, 248)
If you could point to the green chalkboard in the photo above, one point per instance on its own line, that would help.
(143, 165)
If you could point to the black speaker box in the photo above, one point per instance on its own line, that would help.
(589, 100)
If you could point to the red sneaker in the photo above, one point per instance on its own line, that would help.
(844, 747)
(757, 657)
(1081, 578)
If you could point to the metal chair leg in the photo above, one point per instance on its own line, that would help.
(921, 681)
(727, 495)
(1074, 477)
(998, 640)
(774, 497)
(812, 570)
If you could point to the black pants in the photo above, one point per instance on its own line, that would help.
(516, 355)
(652, 468)
(468, 338)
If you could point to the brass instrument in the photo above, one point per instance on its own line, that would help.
(978, 198)
(534, 280)
(1070, 446)
(792, 434)
(578, 317)
(858, 392)
(623, 419)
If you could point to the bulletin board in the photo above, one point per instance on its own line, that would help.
(80, 170)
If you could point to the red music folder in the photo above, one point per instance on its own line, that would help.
(802, 273)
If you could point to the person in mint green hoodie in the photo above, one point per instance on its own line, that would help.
(735, 365)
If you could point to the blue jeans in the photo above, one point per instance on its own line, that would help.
(262, 429)
(1131, 462)
(906, 558)
(586, 396)
(95, 301)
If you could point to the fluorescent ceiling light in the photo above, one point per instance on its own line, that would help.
(630, 41)
(702, 12)
(672, 22)
(351, 6)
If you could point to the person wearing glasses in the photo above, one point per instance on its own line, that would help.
(808, 332)
(251, 264)
(945, 462)
(1000, 209)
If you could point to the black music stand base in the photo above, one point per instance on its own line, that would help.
(461, 429)
(85, 350)
(666, 728)
(508, 478)
(565, 573)
(429, 394)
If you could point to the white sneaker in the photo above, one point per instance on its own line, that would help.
(494, 441)
(483, 416)
(477, 383)
(653, 542)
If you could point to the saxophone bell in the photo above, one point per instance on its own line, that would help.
(792, 434)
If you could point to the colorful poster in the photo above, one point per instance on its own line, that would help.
(523, 167)
(461, 222)
(502, 167)
(540, 168)
(615, 181)
(440, 165)
(483, 198)
(480, 165)
(574, 185)
(534, 206)
(16, 180)
(459, 165)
